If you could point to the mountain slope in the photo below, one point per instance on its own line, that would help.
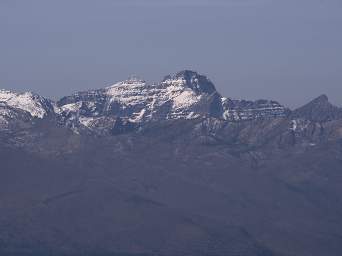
(319, 110)
(55, 206)
(36, 105)
(179, 187)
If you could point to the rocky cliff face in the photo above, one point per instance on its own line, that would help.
(239, 110)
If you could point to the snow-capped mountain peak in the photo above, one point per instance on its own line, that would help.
(184, 95)
(129, 92)
(32, 103)
(192, 80)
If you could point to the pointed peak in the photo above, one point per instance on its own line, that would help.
(321, 101)
(321, 98)
(187, 74)
(318, 110)
(193, 80)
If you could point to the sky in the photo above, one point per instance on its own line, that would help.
(286, 50)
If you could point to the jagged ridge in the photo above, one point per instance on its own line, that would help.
(185, 95)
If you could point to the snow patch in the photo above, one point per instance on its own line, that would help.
(86, 121)
(26, 101)
(72, 107)
(294, 125)
(186, 99)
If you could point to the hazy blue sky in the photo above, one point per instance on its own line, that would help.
(288, 50)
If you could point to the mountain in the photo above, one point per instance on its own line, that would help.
(20, 109)
(34, 104)
(319, 110)
(165, 169)
(186, 95)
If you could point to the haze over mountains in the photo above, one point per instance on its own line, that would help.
(173, 168)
